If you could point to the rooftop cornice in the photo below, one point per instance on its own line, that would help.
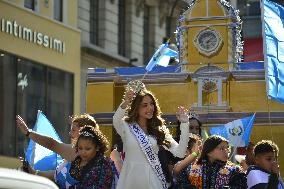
(238, 75)
(248, 74)
(261, 118)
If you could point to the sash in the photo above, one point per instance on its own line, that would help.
(147, 149)
(281, 183)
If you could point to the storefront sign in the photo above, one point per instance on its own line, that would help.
(33, 36)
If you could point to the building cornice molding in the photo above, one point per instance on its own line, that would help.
(99, 51)
(238, 75)
(261, 118)
(149, 78)
(246, 75)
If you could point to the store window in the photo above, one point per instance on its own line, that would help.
(58, 10)
(122, 27)
(30, 4)
(25, 88)
(146, 34)
(94, 22)
(249, 8)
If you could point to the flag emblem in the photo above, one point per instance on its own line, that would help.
(236, 131)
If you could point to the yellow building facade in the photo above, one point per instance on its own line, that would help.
(39, 69)
(210, 81)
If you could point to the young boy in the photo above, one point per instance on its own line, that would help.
(265, 173)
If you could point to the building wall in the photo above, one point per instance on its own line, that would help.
(247, 96)
(101, 96)
(68, 61)
(255, 98)
(33, 51)
(105, 54)
(243, 92)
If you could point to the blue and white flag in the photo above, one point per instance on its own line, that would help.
(273, 46)
(38, 156)
(236, 132)
(161, 57)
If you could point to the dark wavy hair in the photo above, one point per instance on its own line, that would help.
(265, 146)
(96, 136)
(209, 145)
(178, 132)
(85, 119)
(156, 124)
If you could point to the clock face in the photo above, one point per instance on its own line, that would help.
(208, 42)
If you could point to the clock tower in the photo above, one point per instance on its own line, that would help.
(209, 41)
(209, 33)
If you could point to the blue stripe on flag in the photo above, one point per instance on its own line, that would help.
(273, 22)
(41, 158)
(161, 57)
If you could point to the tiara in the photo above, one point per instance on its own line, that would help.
(87, 134)
(136, 86)
(193, 114)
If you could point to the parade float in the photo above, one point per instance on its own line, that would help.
(210, 78)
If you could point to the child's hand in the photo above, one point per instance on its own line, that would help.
(275, 167)
(195, 148)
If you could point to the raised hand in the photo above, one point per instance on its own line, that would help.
(275, 167)
(182, 114)
(22, 125)
(128, 97)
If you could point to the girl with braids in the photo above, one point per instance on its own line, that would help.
(142, 131)
(213, 169)
(90, 169)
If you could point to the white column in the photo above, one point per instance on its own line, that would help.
(219, 85)
(199, 102)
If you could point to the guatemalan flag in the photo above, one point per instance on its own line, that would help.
(161, 57)
(273, 46)
(236, 132)
(40, 157)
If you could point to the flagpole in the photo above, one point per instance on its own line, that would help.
(269, 118)
(144, 76)
(264, 45)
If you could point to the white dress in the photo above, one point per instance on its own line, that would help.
(136, 172)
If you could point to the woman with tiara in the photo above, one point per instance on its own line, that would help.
(138, 121)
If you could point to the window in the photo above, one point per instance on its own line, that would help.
(168, 27)
(25, 88)
(249, 8)
(94, 22)
(121, 28)
(58, 10)
(146, 34)
(30, 4)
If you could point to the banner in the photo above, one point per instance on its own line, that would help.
(38, 156)
(236, 132)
